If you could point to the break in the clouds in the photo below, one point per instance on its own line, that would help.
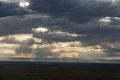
(82, 29)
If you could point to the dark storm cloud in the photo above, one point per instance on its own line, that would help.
(24, 24)
(76, 10)
(72, 16)
(20, 25)
(103, 40)
(10, 9)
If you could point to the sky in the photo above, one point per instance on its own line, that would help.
(65, 29)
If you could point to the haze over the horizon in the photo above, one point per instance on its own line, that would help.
(81, 29)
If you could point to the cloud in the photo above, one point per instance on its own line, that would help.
(60, 49)
(53, 36)
(94, 32)
(9, 9)
(91, 23)
(69, 50)
(9, 1)
(77, 10)
(16, 45)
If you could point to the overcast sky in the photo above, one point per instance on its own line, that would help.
(97, 22)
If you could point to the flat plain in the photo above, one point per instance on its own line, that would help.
(43, 70)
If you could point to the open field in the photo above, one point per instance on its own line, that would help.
(36, 70)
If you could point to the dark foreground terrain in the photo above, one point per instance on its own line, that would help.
(32, 70)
